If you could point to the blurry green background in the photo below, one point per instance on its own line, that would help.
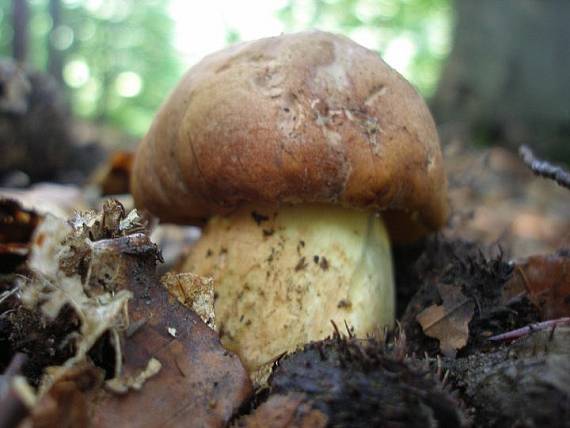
(118, 59)
(497, 69)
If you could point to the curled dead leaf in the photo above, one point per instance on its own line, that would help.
(448, 322)
(545, 279)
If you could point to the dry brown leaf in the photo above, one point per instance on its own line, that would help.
(546, 281)
(285, 411)
(194, 292)
(449, 322)
(199, 383)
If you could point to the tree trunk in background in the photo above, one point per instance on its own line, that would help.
(508, 75)
(20, 17)
(55, 56)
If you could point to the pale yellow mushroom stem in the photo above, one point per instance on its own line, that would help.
(281, 275)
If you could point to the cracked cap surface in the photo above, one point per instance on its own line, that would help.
(306, 117)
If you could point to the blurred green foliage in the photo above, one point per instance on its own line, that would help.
(119, 63)
(412, 35)
(119, 59)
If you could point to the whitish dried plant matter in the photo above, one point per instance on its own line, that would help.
(79, 264)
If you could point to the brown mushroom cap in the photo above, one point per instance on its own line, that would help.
(307, 117)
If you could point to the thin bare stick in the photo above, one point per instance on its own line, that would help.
(12, 407)
(543, 168)
(15, 366)
(515, 334)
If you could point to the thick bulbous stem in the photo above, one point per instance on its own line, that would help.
(283, 274)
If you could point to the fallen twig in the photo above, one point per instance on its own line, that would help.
(519, 332)
(13, 369)
(543, 168)
(12, 407)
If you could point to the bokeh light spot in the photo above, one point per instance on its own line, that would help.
(76, 73)
(128, 84)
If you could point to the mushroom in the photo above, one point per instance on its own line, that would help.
(303, 155)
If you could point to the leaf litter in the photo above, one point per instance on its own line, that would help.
(448, 322)
(90, 295)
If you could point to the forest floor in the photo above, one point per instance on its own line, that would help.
(497, 201)
(457, 295)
